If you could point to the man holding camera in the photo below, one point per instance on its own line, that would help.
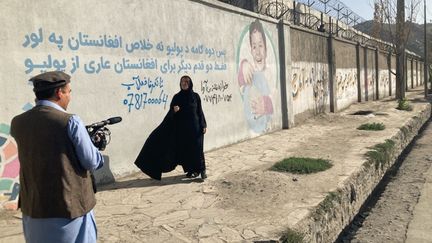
(56, 157)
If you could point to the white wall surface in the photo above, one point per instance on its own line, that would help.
(126, 59)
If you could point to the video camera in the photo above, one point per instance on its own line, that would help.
(100, 137)
(99, 134)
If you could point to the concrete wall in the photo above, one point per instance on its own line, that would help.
(370, 80)
(346, 73)
(409, 74)
(383, 76)
(393, 75)
(361, 75)
(309, 77)
(128, 63)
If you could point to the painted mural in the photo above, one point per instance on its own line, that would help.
(409, 76)
(369, 90)
(9, 167)
(393, 82)
(346, 85)
(257, 76)
(150, 63)
(383, 83)
(138, 69)
(310, 88)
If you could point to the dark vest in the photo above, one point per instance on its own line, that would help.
(52, 182)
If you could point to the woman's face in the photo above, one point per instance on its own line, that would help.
(258, 50)
(184, 83)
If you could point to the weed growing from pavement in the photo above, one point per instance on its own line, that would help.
(404, 131)
(372, 126)
(299, 165)
(404, 105)
(292, 236)
(381, 153)
(332, 200)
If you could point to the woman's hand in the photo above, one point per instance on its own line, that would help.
(176, 108)
(204, 130)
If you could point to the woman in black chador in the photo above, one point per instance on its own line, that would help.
(179, 139)
(190, 126)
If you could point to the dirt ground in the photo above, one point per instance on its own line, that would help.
(387, 215)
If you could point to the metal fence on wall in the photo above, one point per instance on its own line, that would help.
(327, 16)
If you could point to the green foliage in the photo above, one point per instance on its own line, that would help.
(299, 165)
(381, 153)
(404, 105)
(405, 131)
(372, 126)
(291, 236)
(325, 206)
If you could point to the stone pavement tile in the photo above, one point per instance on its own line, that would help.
(196, 201)
(248, 234)
(102, 211)
(231, 235)
(192, 225)
(172, 217)
(160, 209)
(206, 230)
(177, 235)
(13, 239)
(213, 239)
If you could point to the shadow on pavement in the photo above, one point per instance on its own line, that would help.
(146, 182)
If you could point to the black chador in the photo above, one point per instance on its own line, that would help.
(178, 140)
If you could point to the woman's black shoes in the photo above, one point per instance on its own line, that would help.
(196, 174)
(203, 174)
(192, 174)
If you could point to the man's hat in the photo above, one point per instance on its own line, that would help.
(49, 80)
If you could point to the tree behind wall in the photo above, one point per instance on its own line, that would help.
(377, 21)
(400, 44)
(394, 13)
(429, 54)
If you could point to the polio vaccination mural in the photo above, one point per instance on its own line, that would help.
(130, 66)
(258, 78)
(9, 167)
(152, 62)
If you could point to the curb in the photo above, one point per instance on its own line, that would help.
(335, 212)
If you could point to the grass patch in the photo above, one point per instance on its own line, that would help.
(404, 105)
(292, 236)
(372, 126)
(381, 153)
(299, 165)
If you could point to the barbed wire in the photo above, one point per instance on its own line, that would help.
(335, 9)
(299, 13)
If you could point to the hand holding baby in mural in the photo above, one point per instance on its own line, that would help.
(260, 104)
(252, 74)
(247, 72)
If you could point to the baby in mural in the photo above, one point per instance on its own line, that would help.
(252, 79)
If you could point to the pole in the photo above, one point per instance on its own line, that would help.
(426, 65)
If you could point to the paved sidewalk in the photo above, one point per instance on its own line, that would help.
(241, 201)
